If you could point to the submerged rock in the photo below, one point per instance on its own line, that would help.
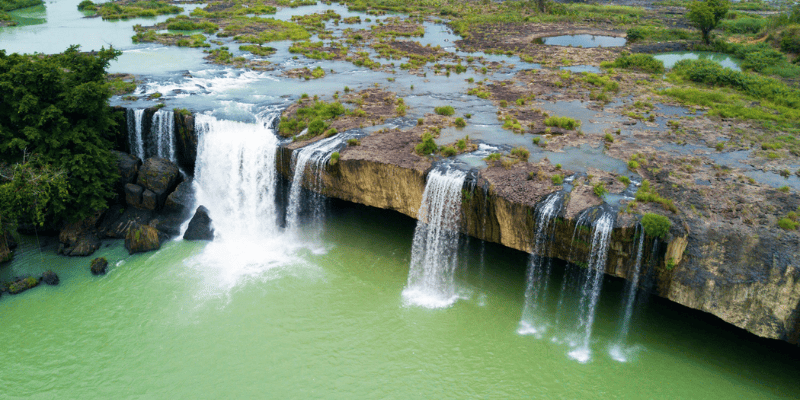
(200, 226)
(99, 266)
(142, 238)
(50, 278)
(22, 284)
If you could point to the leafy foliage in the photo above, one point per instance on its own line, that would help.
(31, 191)
(641, 62)
(656, 225)
(56, 107)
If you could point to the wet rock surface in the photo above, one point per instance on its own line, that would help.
(141, 239)
(99, 266)
(200, 227)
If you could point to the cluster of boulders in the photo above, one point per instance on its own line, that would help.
(153, 200)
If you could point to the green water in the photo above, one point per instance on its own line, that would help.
(329, 323)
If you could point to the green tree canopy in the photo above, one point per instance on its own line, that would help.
(56, 108)
(705, 15)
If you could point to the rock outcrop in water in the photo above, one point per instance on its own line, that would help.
(80, 238)
(142, 238)
(99, 266)
(200, 226)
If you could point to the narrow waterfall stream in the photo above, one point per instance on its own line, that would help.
(313, 157)
(135, 137)
(434, 255)
(539, 265)
(162, 134)
(590, 293)
(617, 350)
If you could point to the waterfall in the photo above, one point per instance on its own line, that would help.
(539, 264)
(313, 157)
(431, 281)
(135, 139)
(590, 293)
(162, 132)
(631, 288)
(235, 176)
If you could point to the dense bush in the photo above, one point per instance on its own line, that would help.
(311, 117)
(445, 110)
(641, 62)
(427, 146)
(56, 107)
(711, 73)
(562, 122)
(655, 225)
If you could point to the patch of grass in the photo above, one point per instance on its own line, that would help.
(655, 225)
(521, 152)
(263, 30)
(143, 8)
(334, 158)
(445, 110)
(460, 123)
(600, 189)
(562, 122)
(639, 62)
(646, 195)
(557, 179)
(428, 146)
(312, 117)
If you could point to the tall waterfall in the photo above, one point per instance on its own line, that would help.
(539, 265)
(431, 281)
(631, 288)
(590, 293)
(315, 156)
(162, 132)
(235, 176)
(135, 135)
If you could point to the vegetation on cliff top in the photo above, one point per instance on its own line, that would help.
(131, 9)
(56, 108)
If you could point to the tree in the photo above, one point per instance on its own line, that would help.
(56, 107)
(31, 191)
(705, 16)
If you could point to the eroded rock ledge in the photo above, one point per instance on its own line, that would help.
(747, 278)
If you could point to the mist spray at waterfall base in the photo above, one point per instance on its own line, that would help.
(236, 179)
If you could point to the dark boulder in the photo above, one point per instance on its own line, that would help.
(200, 226)
(142, 238)
(177, 209)
(128, 169)
(80, 238)
(50, 278)
(185, 140)
(133, 195)
(99, 266)
(118, 220)
(160, 176)
(149, 200)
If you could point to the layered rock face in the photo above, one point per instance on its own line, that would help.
(748, 280)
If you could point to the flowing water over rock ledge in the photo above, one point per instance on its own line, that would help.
(747, 278)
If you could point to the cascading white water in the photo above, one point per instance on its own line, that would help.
(235, 176)
(236, 179)
(431, 281)
(135, 139)
(315, 155)
(617, 351)
(590, 292)
(162, 130)
(539, 266)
